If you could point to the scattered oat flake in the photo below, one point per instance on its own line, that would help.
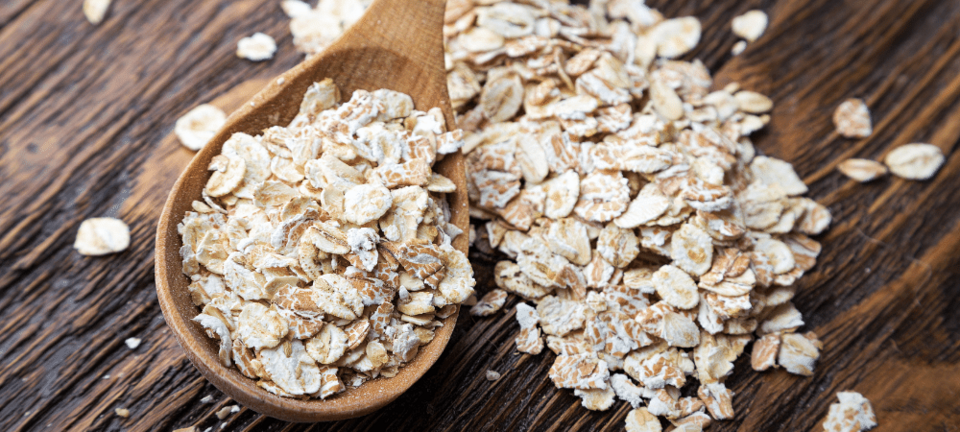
(862, 170)
(852, 414)
(95, 10)
(257, 47)
(206, 399)
(490, 303)
(852, 119)
(132, 343)
(750, 25)
(738, 48)
(492, 375)
(199, 125)
(753, 102)
(122, 412)
(223, 413)
(915, 161)
(102, 236)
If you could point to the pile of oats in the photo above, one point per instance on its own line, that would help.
(651, 243)
(321, 253)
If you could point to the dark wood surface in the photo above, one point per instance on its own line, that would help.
(85, 114)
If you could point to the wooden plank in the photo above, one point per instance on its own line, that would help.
(85, 114)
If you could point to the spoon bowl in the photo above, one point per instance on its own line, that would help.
(396, 45)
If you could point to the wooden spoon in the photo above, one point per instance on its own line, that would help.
(397, 45)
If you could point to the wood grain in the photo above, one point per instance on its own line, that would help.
(84, 112)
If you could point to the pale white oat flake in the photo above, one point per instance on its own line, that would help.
(95, 10)
(750, 25)
(915, 161)
(199, 125)
(102, 236)
(257, 47)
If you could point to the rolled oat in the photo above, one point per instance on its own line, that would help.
(102, 236)
(915, 161)
(257, 47)
(198, 126)
(852, 414)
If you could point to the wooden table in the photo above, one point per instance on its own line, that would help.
(85, 114)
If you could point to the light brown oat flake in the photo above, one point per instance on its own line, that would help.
(799, 353)
(596, 399)
(528, 341)
(603, 196)
(675, 287)
(692, 249)
(852, 119)
(640, 420)
(862, 170)
(852, 414)
(765, 352)
(490, 303)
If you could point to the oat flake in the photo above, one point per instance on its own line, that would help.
(852, 119)
(95, 10)
(862, 170)
(750, 25)
(915, 161)
(257, 47)
(199, 125)
(102, 236)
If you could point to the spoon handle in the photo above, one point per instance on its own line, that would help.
(410, 28)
